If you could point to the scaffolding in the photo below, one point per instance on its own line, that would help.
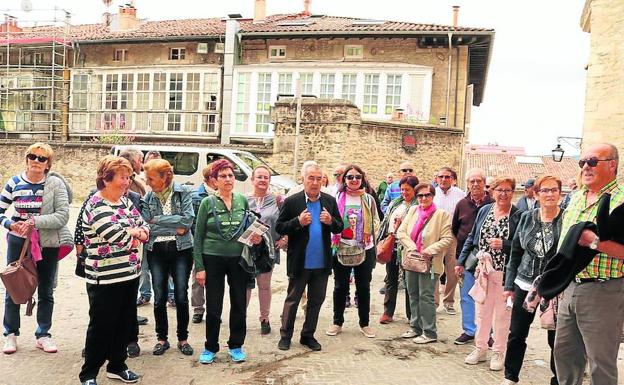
(34, 73)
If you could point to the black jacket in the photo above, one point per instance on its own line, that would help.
(298, 236)
(523, 261)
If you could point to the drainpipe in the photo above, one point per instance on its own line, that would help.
(448, 77)
(230, 60)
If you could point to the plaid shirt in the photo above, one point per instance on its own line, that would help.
(602, 266)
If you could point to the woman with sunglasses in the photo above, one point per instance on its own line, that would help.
(394, 216)
(492, 233)
(533, 245)
(41, 201)
(425, 230)
(359, 212)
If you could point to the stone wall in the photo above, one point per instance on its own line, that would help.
(332, 131)
(604, 115)
(76, 162)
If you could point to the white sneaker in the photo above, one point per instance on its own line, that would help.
(476, 356)
(333, 330)
(409, 334)
(423, 339)
(508, 382)
(497, 361)
(368, 332)
(10, 344)
(46, 344)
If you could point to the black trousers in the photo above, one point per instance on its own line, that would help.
(363, 275)
(392, 288)
(516, 343)
(316, 281)
(112, 318)
(217, 268)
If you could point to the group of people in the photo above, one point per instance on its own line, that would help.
(139, 216)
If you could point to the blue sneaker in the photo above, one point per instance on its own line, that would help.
(238, 355)
(207, 357)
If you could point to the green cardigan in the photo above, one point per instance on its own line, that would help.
(207, 239)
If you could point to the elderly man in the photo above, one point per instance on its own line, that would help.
(135, 157)
(591, 311)
(383, 186)
(308, 218)
(528, 201)
(446, 198)
(394, 190)
(464, 217)
(338, 171)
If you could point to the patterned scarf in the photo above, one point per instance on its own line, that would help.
(163, 195)
(423, 217)
(365, 224)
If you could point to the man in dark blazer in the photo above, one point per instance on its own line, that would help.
(308, 218)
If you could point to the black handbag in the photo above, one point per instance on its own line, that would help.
(471, 262)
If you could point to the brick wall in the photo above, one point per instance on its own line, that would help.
(382, 50)
(331, 131)
(604, 116)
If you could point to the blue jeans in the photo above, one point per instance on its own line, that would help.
(165, 260)
(468, 305)
(145, 282)
(46, 270)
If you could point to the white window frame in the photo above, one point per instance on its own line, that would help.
(280, 52)
(354, 51)
(181, 53)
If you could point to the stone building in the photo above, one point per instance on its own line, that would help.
(604, 116)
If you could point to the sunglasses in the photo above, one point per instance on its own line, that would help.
(38, 158)
(336, 175)
(351, 177)
(407, 170)
(423, 196)
(592, 162)
(445, 176)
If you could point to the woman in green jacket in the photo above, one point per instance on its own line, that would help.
(220, 222)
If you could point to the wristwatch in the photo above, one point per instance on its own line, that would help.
(594, 244)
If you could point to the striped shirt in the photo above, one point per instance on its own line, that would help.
(25, 196)
(602, 266)
(112, 254)
(449, 199)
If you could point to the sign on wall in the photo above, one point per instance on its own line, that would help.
(408, 141)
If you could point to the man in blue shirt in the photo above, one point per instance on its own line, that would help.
(394, 190)
(308, 218)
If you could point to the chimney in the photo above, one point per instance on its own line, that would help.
(306, 8)
(10, 24)
(127, 18)
(455, 15)
(259, 11)
(107, 18)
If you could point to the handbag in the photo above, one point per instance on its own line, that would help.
(548, 313)
(349, 255)
(385, 248)
(20, 278)
(415, 262)
(471, 262)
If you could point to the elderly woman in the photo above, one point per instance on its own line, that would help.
(394, 216)
(426, 231)
(263, 202)
(491, 235)
(359, 215)
(168, 208)
(113, 229)
(41, 200)
(221, 220)
(533, 245)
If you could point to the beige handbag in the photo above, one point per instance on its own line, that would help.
(415, 262)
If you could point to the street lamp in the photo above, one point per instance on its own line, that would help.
(557, 153)
(572, 141)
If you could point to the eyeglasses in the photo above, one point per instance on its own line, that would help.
(549, 190)
(445, 177)
(407, 170)
(592, 162)
(336, 175)
(503, 191)
(423, 196)
(38, 158)
(351, 177)
(476, 181)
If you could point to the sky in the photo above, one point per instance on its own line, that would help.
(535, 88)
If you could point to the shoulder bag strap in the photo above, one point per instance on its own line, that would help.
(25, 253)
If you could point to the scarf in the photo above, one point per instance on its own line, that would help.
(423, 217)
(164, 195)
(364, 224)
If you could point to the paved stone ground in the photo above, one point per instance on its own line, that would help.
(348, 358)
